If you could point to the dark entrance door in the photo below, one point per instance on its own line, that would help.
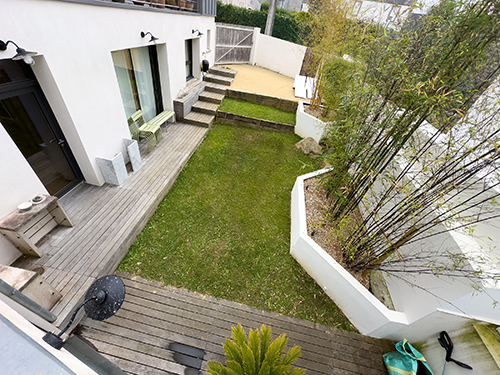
(26, 116)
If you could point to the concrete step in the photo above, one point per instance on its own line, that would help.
(223, 71)
(205, 107)
(199, 119)
(221, 80)
(211, 97)
(214, 87)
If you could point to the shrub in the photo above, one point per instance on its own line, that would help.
(256, 354)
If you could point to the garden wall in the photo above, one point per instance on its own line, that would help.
(283, 104)
(278, 55)
(239, 120)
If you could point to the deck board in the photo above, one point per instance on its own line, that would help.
(108, 218)
(154, 316)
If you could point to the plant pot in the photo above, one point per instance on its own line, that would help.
(159, 4)
(189, 5)
(182, 4)
(173, 3)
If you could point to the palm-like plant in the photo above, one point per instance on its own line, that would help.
(256, 354)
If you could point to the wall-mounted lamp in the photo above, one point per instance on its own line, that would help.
(103, 299)
(21, 53)
(153, 39)
(197, 31)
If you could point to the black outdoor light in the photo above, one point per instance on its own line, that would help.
(197, 31)
(103, 299)
(21, 53)
(153, 38)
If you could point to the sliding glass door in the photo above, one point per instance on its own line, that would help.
(137, 73)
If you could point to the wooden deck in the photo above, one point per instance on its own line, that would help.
(141, 337)
(108, 219)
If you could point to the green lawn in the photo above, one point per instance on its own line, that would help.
(260, 111)
(224, 228)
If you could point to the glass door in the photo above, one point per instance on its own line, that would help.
(138, 78)
(27, 118)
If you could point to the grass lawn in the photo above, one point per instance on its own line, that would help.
(260, 111)
(224, 227)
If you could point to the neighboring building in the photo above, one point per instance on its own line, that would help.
(247, 4)
(92, 71)
(293, 5)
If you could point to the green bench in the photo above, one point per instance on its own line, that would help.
(151, 131)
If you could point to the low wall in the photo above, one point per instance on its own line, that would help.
(182, 106)
(283, 104)
(239, 120)
(278, 55)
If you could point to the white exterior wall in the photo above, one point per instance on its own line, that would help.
(386, 14)
(278, 55)
(74, 67)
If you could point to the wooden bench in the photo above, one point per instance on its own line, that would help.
(26, 228)
(151, 130)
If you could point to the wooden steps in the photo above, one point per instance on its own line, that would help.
(225, 72)
(207, 108)
(204, 110)
(211, 97)
(199, 119)
(214, 87)
(215, 78)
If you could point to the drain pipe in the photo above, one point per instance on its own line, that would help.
(31, 305)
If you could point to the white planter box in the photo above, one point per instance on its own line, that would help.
(362, 308)
(307, 125)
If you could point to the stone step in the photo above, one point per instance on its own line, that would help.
(199, 119)
(223, 71)
(205, 107)
(212, 97)
(31, 284)
(221, 80)
(214, 87)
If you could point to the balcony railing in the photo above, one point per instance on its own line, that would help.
(205, 7)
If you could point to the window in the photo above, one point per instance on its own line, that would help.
(138, 77)
(189, 59)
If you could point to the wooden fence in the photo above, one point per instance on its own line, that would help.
(233, 44)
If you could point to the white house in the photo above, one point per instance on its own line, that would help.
(92, 70)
